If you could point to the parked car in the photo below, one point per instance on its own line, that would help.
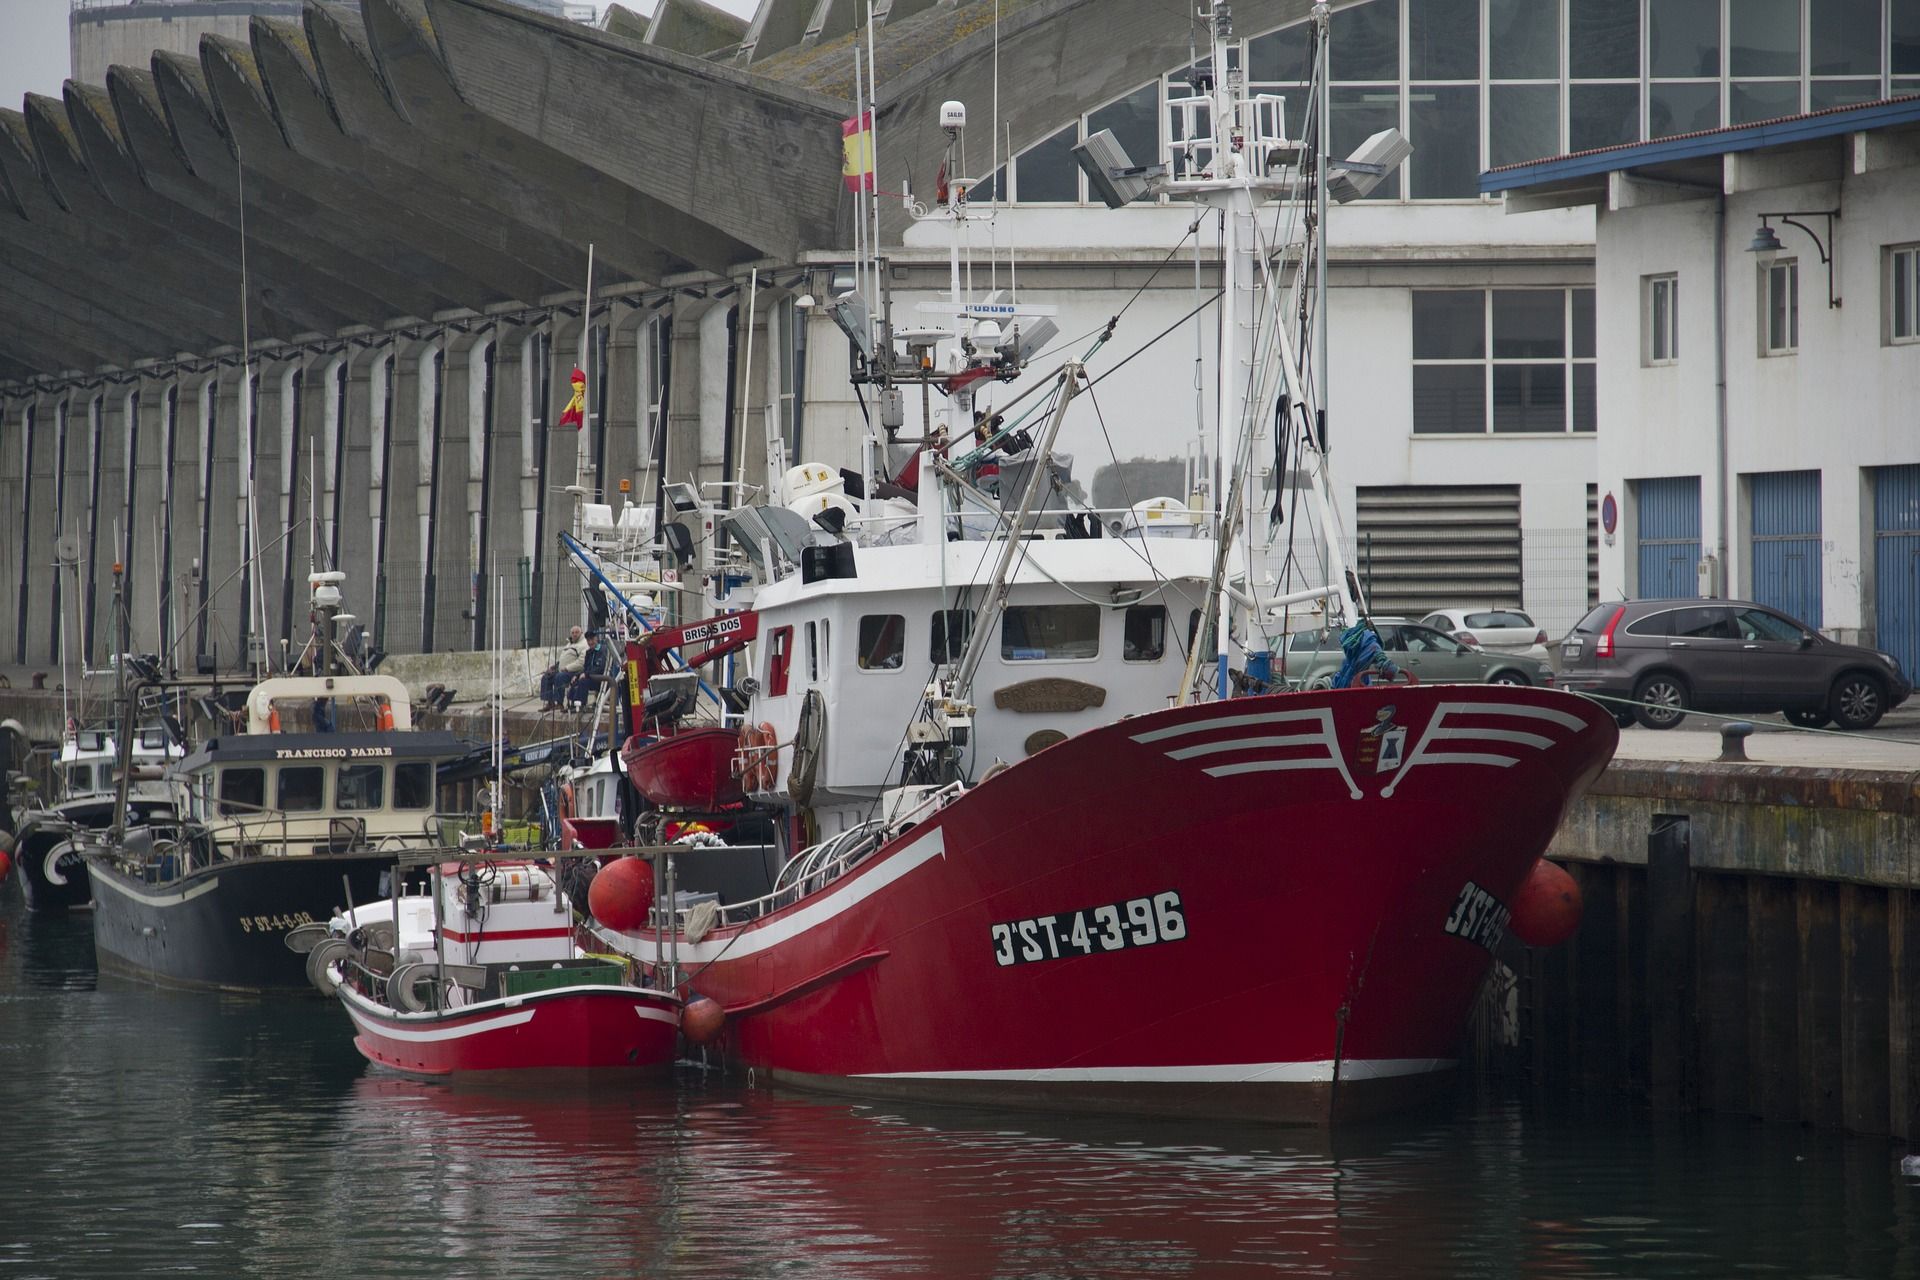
(1312, 657)
(1672, 656)
(1495, 630)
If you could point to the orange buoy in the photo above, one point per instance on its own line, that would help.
(384, 716)
(1546, 908)
(273, 719)
(622, 894)
(702, 1020)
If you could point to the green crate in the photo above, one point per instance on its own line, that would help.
(570, 973)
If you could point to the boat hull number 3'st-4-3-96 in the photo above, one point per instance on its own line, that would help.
(1137, 922)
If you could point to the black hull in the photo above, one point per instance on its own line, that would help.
(53, 876)
(223, 928)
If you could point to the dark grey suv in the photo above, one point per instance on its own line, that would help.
(1726, 655)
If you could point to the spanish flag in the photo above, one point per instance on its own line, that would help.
(856, 142)
(575, 414)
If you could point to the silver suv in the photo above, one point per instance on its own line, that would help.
(1670, 656)
(1312, 657)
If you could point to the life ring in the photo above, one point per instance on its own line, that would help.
(384, 716)
(768, 771)
(809, 739)
(759, 757)
(566, 801)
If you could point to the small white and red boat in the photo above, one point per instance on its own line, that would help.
(480, 975)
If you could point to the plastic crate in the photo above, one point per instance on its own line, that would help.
(572, 973)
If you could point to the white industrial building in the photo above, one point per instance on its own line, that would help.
(1758, 298)
(423, 325)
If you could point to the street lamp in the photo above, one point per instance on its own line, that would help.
(1766, 244)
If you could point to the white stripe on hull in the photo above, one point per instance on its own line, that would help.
(378, 1020)
(752, 941)
(156, 899)
(1223, 1073)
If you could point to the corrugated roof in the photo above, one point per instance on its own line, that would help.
(1831, 122)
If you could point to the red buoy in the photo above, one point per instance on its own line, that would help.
(1546, 908)
(702, 1020)
(622, 894)
(6, 864)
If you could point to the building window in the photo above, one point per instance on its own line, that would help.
(1661, 319)
(792, 325)
(1506, 360)
(1780, 308)
(654, 379)
(1903, 293)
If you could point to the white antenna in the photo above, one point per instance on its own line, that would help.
(873, 147)
(860, 119)
(746, 377)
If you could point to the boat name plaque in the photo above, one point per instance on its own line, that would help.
(1049, 695)
(331, 753)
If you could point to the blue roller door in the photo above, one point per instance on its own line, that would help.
(1785, 542)
(1896, 563)
(1668, 536)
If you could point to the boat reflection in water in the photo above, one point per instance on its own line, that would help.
(727, 1182)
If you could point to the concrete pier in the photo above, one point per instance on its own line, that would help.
(1751, 944)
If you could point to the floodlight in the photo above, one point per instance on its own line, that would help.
(1111, 173)
(1362, 171)
(684, 497)
(855, 318)
(1033, 338)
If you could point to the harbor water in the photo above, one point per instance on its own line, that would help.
(149, 1132)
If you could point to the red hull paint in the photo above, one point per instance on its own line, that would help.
(1315, 890)
(690, 770)
(574, 1029)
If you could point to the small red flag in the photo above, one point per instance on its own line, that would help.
(575, 414)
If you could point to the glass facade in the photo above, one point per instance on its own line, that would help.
(1475, 84)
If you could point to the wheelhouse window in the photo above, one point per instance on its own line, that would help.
(1661, 295)
(360, 787)
(1780, 308)
(951, 630)
(883, 641)
(1144, 635)
(243, 790)
(1050, 632)
(816, 649)
(779, 661)
(302, 788)
(413, 785)
(80, 777)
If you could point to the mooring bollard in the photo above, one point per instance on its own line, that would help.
(1733, 742)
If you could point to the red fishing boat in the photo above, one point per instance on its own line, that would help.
(1277, 907)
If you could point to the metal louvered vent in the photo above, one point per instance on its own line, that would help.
(1425, 546)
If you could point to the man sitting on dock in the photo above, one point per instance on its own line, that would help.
(560, 672)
